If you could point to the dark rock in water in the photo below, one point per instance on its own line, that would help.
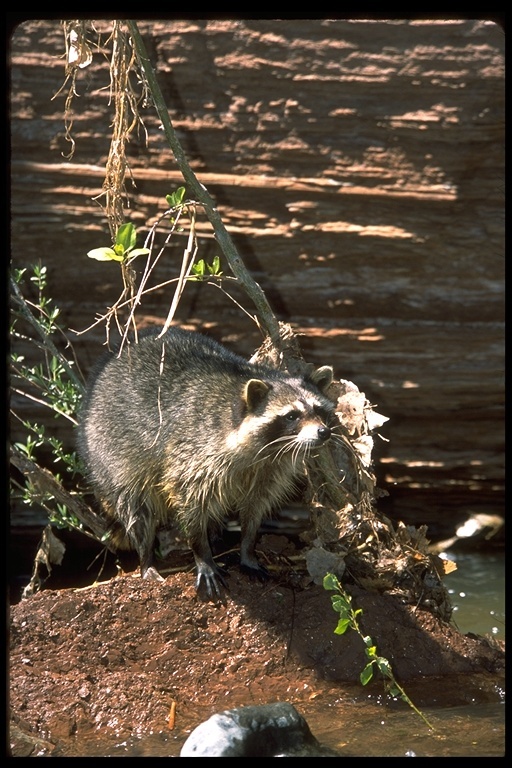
(269, 730)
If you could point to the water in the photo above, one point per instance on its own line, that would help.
(373, 730)
(477, 592)
(357, 724)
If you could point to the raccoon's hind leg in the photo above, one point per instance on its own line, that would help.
(250, 523)
(141, 533)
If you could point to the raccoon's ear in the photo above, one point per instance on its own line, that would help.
(322, 377)
(255, 391)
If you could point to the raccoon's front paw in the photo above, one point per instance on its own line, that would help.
(255, 571)
(210, 583)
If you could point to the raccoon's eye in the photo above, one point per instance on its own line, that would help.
(293, 416)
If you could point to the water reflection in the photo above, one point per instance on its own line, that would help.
(476, 731)
(477, 592)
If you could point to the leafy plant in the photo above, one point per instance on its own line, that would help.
(201, 269)
(54, 383)
(342, 604)
(123, 249)
(175, 199)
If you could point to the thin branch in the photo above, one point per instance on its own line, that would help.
(186, 267)
(265, 315)
(46, 483)
(48, 343)
(40, 401)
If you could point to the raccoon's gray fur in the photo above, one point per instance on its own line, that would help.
(180, 428)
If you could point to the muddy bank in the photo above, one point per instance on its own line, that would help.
(113, 658)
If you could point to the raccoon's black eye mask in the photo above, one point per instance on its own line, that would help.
(324, 413)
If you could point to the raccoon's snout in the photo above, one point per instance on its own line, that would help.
(324, 433)
(312, 434)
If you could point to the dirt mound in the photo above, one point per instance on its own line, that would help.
(114, 657)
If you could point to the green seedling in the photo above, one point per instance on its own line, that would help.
(349, 619)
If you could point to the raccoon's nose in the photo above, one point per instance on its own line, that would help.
(324, 433)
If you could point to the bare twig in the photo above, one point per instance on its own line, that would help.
(186, 267)
(266, 316)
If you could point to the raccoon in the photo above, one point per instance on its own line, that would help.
(179, 428)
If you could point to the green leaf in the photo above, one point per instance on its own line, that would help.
(199, 268)
(340, 605)
(18, 274)
(394, 691)
(138, 252)
(371, 652)
(330, 581)
(342, 626)
(104, 254)
(126, 236)
(176, 198)
(366, 675)
(384, 667)
(214, 268)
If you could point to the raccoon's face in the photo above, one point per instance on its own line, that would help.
(304, 421)
(283, 420)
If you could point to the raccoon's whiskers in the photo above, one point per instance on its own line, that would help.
(299, 450)
(289, 443)
(345, 442)
(292, 446)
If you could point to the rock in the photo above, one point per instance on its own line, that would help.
(268, 730)
(319, 562)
